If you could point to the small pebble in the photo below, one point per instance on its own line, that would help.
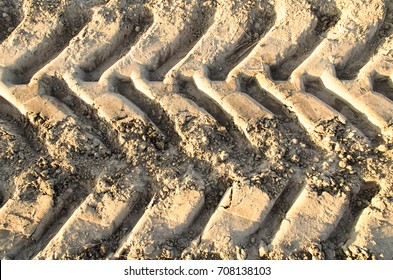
(160, 145)
(382, 148)
(96, 143)
(205, 141)
(342, 164)
(263, 249)
(295, 159)
(187, 256)
(224, 156)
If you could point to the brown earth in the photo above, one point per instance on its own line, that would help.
(193, 129)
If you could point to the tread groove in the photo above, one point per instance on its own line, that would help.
(358, 119)
(358, 202)
(272, 223)
(152, 109)
(189, 90)
(385, 87)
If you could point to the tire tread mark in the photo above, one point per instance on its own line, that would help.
(277, 214)
(360, 94)
(371, 236)
(337, 49)
(313, 121)
(175, 213)
(201, 135)
(359, 119)
(92, 97)
(43, 42)
(279, 44)
(98, 217)
(358, 202)
(30, 204)
(148, 54)
(372, 227)
(92, 48)
(191, 122)
(301, 226)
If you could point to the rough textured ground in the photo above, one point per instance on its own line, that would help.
(196, 129)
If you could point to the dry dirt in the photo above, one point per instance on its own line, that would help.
(187, 129)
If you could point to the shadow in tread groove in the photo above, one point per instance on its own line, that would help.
(384, 86)
(259, 23)
(277, 214)
(10, 17)
(357, 204)
(106, 248)
(249, 86)
(328, 16)
(101, 64)
(351, 70)
(59, 90)
(69, 23)
(188, 90)
(358, 119)
(154, 112)
(201, 21)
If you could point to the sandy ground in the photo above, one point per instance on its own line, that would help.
(196, 129)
